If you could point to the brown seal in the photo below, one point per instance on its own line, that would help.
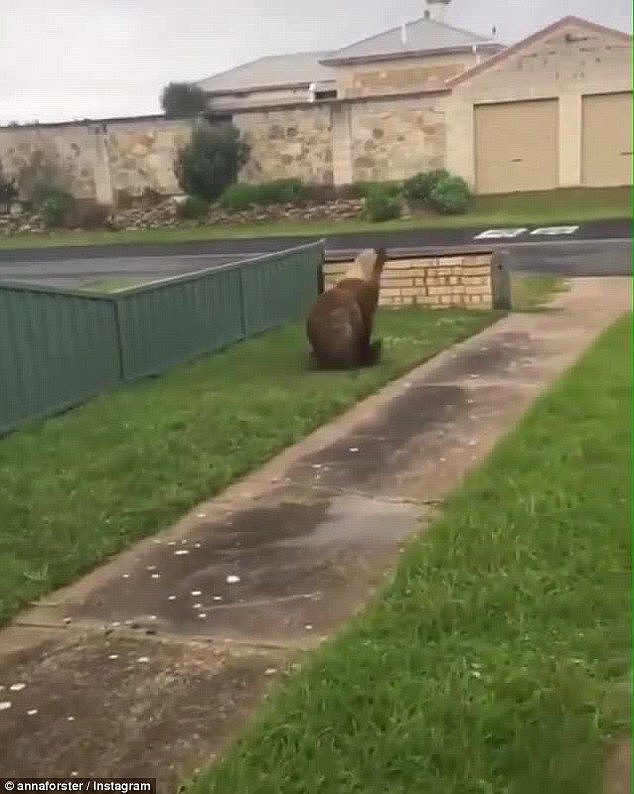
(339, 326)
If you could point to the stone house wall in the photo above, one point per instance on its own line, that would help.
(341, 143)
(401, 74)
(288, 143)
(436, 282)
(397, 138)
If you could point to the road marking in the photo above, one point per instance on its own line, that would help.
(554, 231)
(496, 234)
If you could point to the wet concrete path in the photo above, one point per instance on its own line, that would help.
(149, 665)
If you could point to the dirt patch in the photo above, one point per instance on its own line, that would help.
(618, 768)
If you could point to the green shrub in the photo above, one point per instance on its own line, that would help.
(279, 191)
(420, 186)
(192, 207)
(211, 161)
(381, 206)
(56, 207)
(451, 196)
(358, 190)
(238, 196)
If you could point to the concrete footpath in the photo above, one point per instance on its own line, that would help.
(149, 665)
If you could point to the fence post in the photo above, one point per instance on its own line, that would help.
(321, 278)
(243, 313)
(501, 280)
(119, 334)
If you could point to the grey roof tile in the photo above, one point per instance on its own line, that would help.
(420, 35)
(271, 71)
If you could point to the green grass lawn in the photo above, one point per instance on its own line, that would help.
(114, 284)
(498, 658)
(530, 291)
(549, 207)
(80, 487)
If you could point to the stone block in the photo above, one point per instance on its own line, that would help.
(400, 264)
(476, 271)
(451, 261)
(397, 282)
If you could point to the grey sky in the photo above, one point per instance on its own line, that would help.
(65, 59)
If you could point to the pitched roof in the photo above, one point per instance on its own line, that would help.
(275, 71)
(421, 35)
(527, 42)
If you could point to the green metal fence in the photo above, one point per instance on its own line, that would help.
(59, 347)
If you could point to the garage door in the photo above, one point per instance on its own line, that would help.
(607, 140)
(517, 146)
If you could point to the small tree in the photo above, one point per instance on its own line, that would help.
(183, 100)
(211, 161)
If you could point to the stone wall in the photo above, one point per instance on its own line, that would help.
(395, 139)
(96, 159)
(320, 144)
(73, 151)
(288, 143)
(436, 282)
(141, 155)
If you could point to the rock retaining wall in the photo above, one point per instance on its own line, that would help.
(164, 216)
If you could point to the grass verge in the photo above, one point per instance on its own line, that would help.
(80, 487)
(547, 207)
(498, 658)
(110, 285)
(530, 292)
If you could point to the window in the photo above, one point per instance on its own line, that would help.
(326, 94)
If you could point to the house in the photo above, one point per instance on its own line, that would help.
(553, 110)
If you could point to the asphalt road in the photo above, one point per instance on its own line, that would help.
(597, 248)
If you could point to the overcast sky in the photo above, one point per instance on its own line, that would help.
(66, 59)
